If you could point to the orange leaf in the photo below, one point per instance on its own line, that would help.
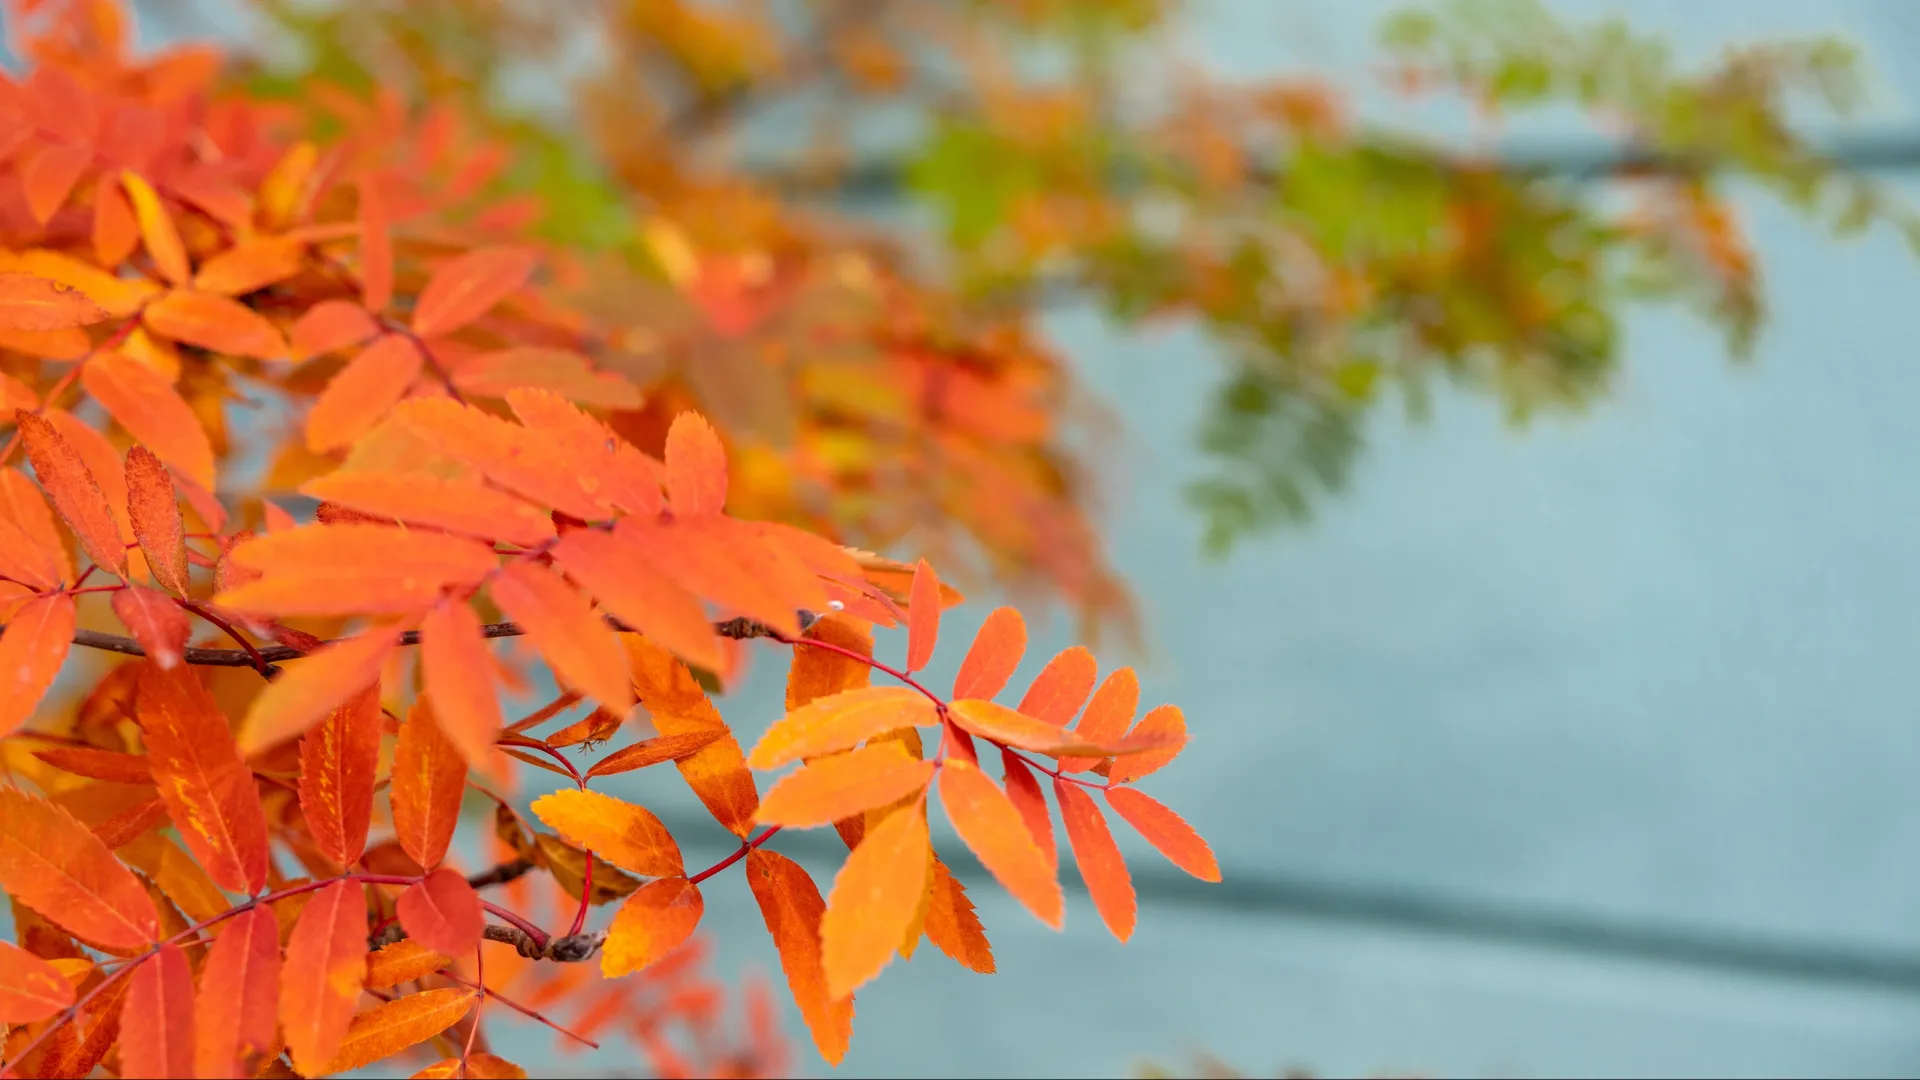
(325, 968)
(1167, 831)
(115, 232)
(986, 819)
(457, 673)
(30, 988)
(840, 721)
(155, 514)
(218, 323)
(696, 467)
(52, 864)
(657, 919)
(791, 906)
(209, 790)
(130, 825)
(454, 505)
(156, 1023)
(624, 477)
(717, 773)
(146, 404)
(639, 595)
(35, 303)
(952, 925)
(32, 648)
(362, 392)
(157, 623)
(467, 286)
(393, 1026)
(1161, 722)
(401, 962)
(994, 655)
(1003, 725)
(561, 371)
(26, 560)
(478, 1066)
(1061, 687)
(625, 835)
(69, 344)
(48, 177)
(251, 265)
(1107, 717)
(22, 504)
(119, 296)
(328, 326)
(376, 248)
(339, 758)
(582, 650)
(654, 751)
(442, 912)
(429, 779)
(239, 987)
(822, 672)
(504, 452)
(307, 691)
(724, 560)
(1024, 791)
(876, 897)
(98, 764)
(325, 569)
(923, 616)
(75, 492)
(843, 785)
(157, 229)
(1101, 865)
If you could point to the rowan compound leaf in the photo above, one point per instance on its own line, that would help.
(52, 864)
(1107, 717)
(402, 962)
(393, 1026)
(457, 672)
(657, 919)
(1061, 687)
(32, 647)
(157, 229)
(1024, 790)
(339, 759)
(376, 248)
(217, 323)
(842, 785)
(987, 820)
(156, 1023)
(429, 779)
(825, 668)
(155, 621)
(952, 925)
(458, 506)
(625, 835)
(639, 595)
(696, 467)
(30, 302)
(208, 789)
(876, 896)
(323, 569)
(840, 721)
(325, 968)
(467, 286)
(155, 513)
(30, 988)
(442, 912)
(1101, 866)
(1163, 722)
(363, 391)
(994, 655)
(235, 1013)
(306, 692)
(791, 906)
(329, 326)
(923, 616)
(654, 751)
(74, 491)
(1167, 831)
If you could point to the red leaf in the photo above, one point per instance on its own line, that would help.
(791, 906)
(1108, 715)
(575, 641)
(994, 655)
(49, 176)
(923, 616)
(457, 672)
(219, 323)
(209, 790)
(1167, 831)
(429, 779)
(155, 514)
(52, 864)
(468, 286)
(325, 968)
(157, 623)
(239, 989)
(442, 912)
(153, 412)
(156, 1023)
(1162, 721)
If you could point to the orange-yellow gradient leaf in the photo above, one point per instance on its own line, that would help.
(952, 925)
(717, 773)
(654, 751)
(325, 968)
(235, 1013)
(393, 1026)
(816, 672)
(1163, 722)
(582, 650)
(339, 758)
(323, 569)
(1167, 831)
(429, 778)
(458, 506)
(251, 265)
(51, 863)
(840, 721)
(363, 392)
(994, 655)
(442, 912)
(1024, 789)
(639, 595)
(625, 835)
(376, 248)
(209, 790)
(157, 229)
(1101, 866)
(876, 897)
(30, 988)
(28, 302)
(154, 512)
(923, 616)
(311, 687)
(74, 491)
(32, 648)
(1061, 687)
(328, 326)
(401, 962)
(458, 674)
(146, 404)
(696, 467)
(156, 622)
(791, 906)
(986, 819)
(156, 1023)
(1107, 717)
(467, 286)
(218, 323)
(843, 785)
(658, 918)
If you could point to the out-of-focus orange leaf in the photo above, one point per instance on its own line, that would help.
(48, 177)
(459, 506)
(504, 452)
(52, 864)
(478, 1066)
(146, 404)
(654, 751)
(791, 906)
(339, 758)
(696, 467)
(994, 655)
(219, 323)
(639, 595)
(156, 1023)
(30, 988)
(1061, 687)
(28, 302)
(842, 785)
(838, 722)
(562, 371)
(251, 265)
(154, 512)
(25, 559)
(442, 912)
(209, 790)
(1107, 717)
(323, 569)
(657, 919)
(363, 392)
(952, 925)
(876, 896)
(75, 492)
(628, 836)
(1101, 865)
(392, 1026)
(1161, 722)
(119, 296)
(1024, 790)
(582, 650)
(110, 765)
(376, 248)
(987, 820)
(467, 286)
(401, 962)
(23, 505)
(458, 674)
(718, 772)
(157, 229)
(1167, 831)
(923, 616)
(32, 648)
(325, 968)
(156, 622)
(328, 326)
(429, 778)
(308, 690)
(115, 230)
(239, 990)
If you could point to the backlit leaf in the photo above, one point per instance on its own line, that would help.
(1167, 831)
(987, 820)
(620, 474)
(467, 286)
(718, 772)
(219, 323)
(429, 779)
(146, 404)
(119, 296)
(329, 326)
(325, 968)
(115, 230)
(923, 616)
(402, 962)
(209, 790)
(824, 669)
(29, 302)
(454, 505)
(1161, 722)
(308, 690)
(639, 595)
(504, 452)
(725, 561)
(251, 265)
(571, 637)
(952, 925)
(457, 672)
(110, 765)
(363, 392)
(791, 906)
(48, 177)
(994, 655)
(838, 722)
(628, 836)
(32, 648)
(1003, 725)
(1101, 866)
(52, 864)
(30, 988)
(1061, 687)
(339, 758)
(156, 1023)
(392, 1026)
(156, 622)
(1108, 716)
(155, 513)
(654, 751)
(1024, 791)
(157, 229)
(74, 491)
(657, 919)
(696, 467)
(26, 559)
(876, 897)
(442, 912)
(236, 1013)
(842, 785)
(322, 569)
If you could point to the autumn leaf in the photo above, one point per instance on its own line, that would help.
(1165, 722)
(323, 569)
(838, 722)
(119, 296)
(363, 392)
(235, 1012)
(617, 473)
(574, 640)
(329, 326)
(251, 265)
(626, 835)
(48, 177)
(790, 905)
(32, 647)
(467, 286)
(392, 1026)
(696, 467)
(402, 962)
(1024, 791)
(824, 669)
(987, 820)
(309, 690)
(661, 748)
(876, 897)
(146, 404)
(74, 491)
(157, 229)
(442, 912)
(109, 765)
(339, 759)
(429, 779)
(843, 785)
(156, 622)
(1107, 717)
(326, 966)
(562, 371)
(457, 673)
(376, 248)
(1003, 725)
(952, 925)
(923, 616)
(477, 1066)
(26, 560)
(994, 655)
(157, 1020)
(1101, 866)
(217, 323)
(1061, 687)
(209, 790)
(657, 919)
(458, 506)
(1167, 831)
(639, 595)
(155, 514)
(52, 864)
(30, 988)
(28, 302)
